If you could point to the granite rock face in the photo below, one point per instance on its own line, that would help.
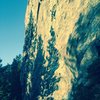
(62, 41)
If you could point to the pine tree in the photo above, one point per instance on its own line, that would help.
(30, 34)
(15, 79)
(28, 59)
(50, 80)
(5, 82)
(0, 62)
(39, 70)
(44, 80)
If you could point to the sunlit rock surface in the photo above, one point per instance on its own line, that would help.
(76, 24)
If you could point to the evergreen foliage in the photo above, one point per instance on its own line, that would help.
(10, 86)
(39, 70)
(28, 59)
(30, 34)
(50, 79)
(5, 82)
(44, 80)
(16, 92)
(0, 62)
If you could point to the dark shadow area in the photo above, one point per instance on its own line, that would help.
(84, 46)
(10, 85)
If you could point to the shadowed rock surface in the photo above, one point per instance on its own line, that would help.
(62, 50)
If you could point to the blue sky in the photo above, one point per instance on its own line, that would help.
(12, 14)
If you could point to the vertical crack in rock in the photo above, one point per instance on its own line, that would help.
(38, 9)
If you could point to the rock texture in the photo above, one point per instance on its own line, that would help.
(76, 24)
